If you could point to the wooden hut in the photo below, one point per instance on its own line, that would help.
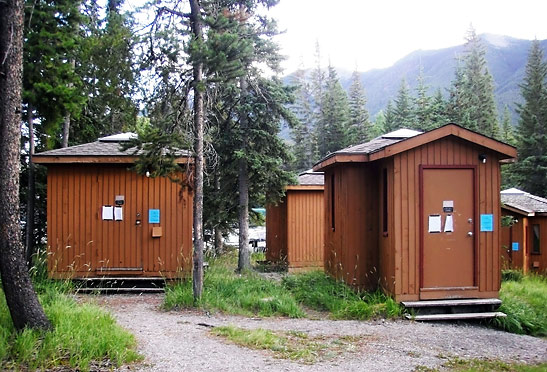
(104, 220)
(416, 213)
(294, 227)
(524, 241)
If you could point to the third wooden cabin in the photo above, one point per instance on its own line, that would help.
(416, 213)
(294, 227)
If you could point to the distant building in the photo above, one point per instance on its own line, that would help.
(524, 242)
(294, 227)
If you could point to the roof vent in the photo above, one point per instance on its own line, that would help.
(120, 137)
(401, 133)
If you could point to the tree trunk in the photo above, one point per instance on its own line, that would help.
(219, 243)
(29, 233)
(244, 261)
(195, 20)
(21, 299)
(66, 129)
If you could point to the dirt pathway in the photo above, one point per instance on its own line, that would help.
(175, 341)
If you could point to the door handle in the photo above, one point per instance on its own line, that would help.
(470, 233)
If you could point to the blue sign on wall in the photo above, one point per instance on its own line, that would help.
(515, 246)
(487, 222)
(153, 216)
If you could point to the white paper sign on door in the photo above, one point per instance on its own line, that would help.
(434, 223)
(449, 224)
(108, 212)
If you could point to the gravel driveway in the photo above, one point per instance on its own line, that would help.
(175, 341)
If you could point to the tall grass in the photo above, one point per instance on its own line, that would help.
(321, 292)
(83, 335)
(524, 301)
(245, 294)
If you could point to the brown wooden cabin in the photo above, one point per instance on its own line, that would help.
(103, 219)
(294, 227)
(524, 243)
(417, 214)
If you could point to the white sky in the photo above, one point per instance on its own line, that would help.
(366, 34)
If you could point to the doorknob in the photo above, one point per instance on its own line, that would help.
(470, 233)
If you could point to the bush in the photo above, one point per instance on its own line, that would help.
(514, 275)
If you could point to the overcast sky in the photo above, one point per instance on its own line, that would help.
(366, 34)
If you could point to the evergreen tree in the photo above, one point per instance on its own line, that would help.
(438, 110)
(332, 126)
(302, 133)
(472, 102)
(423, 106)
(531, 169)
(390, 124)
(507, 134)
(403, 112)
(379, 126)
(359, 122)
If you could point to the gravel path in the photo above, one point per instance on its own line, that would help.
(174, 341)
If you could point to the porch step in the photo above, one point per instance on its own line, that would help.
(119, 285)
(460, 316)
(106, 290)
(481, 308)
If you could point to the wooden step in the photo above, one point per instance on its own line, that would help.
(462, 316)
(459, 302)
(119, 290)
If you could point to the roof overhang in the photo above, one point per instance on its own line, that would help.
(52, 159)
(305, 188)
(520, 211)
(508, 153)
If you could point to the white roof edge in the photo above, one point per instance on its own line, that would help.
(120, 137)
(513, 191)
(402, 133)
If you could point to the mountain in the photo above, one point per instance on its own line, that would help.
(506, 57)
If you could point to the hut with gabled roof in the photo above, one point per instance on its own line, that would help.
(524, 239)
(105, 220)
(294, 227)
(417, 214)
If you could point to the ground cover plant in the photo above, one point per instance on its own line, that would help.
(249, 293)
(483, 365)
(523, 300)
(83, 335)
(297, 346)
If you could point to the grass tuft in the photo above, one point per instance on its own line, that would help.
(337, 298)
(82, 334)
(485, 365)
(524, 303)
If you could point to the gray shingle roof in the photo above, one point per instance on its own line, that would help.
(379, 143)
(311, 178)
(523, 201)
(105, 146)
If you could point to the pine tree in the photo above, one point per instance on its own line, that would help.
(390, 124)
(302, 133)
(438, 110)
(423, 106)
(403, 112)
(359, 121)
(332, 126)
(472, 102)
(531, 169)
(507, 134)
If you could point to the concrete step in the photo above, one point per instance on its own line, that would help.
(459, 302)
(462, 316)
(105, 290)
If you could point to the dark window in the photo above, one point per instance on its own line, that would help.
(332, 211)
(536, 241)
(384, 202)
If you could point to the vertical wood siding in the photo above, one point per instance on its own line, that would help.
(82, 244)
(294, 229)
(351, 247)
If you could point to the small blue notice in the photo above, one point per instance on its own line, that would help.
(515, 246)
(153, 216)
(487, 222)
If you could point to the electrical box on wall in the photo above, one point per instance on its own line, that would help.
(120, 200)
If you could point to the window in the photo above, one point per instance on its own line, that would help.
(536, 240)
(384, 202)
(332, 211)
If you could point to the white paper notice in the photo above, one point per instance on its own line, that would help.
(108, 212)
(118, 213)
(449, 224)
(434, 223)
(448, 203)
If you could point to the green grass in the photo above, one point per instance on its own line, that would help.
(523, 301)
(338, 299)
(82, 334)
(297, 346)
(244, 294)
(250, 294)
(482, 365)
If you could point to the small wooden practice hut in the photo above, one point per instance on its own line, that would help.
(294, 227)
(524, 242)
(416, 213)
(106, 220)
